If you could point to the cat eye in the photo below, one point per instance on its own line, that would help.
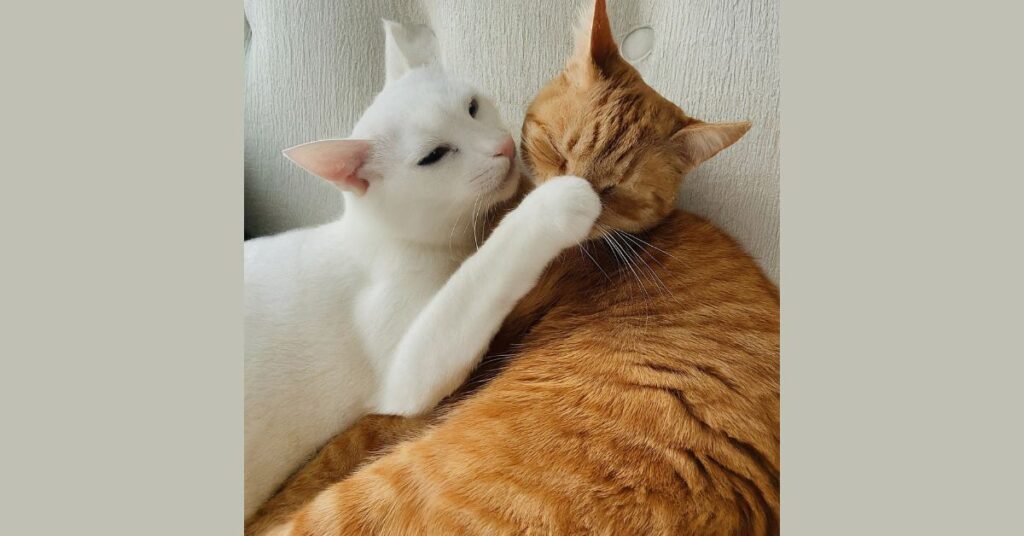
(435, 155)
(607, 190)
(473, 107)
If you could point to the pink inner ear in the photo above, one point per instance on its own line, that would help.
(337, 161)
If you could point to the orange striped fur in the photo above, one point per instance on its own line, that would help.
(642, 391)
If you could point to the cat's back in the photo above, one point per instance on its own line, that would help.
(699, 258)
(273, 261)
(307, 370)
(684, 280)
(296, 280)
(626, 411)
(666, 399)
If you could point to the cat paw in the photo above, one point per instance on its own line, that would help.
(566, 208)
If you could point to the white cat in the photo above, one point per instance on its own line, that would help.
(376, 312)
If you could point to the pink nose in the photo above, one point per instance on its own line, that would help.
(507, 148)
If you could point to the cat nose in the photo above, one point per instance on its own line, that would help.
(507, 148)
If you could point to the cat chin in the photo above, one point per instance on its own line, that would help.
(507, 187)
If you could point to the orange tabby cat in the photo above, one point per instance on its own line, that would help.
(643, 396)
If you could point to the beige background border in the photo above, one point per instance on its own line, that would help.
(121, 203)
(121, 290)
(901, 268)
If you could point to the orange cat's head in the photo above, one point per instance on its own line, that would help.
(598, 119)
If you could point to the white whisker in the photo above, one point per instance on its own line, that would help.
(622, 247)
(648, 244)
(476, 206)
(646, 266)
(451, 237)
(583, 248)
(629, 264)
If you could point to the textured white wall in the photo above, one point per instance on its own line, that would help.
(313, 65)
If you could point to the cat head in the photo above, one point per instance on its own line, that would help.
(428, 144)
(598, 119)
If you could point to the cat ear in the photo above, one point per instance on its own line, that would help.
(702, 140)
(337, 161)
(596, 51)
(603, 49)
(407, 47)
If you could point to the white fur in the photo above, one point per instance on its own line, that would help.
(373, 313)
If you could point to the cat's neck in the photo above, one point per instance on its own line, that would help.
(423, 224)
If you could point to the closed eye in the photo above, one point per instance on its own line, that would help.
(542, 147)
(437, 154)
(607, 190)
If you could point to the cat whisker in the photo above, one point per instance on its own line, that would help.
(629, 264)
(490, 173)
(653, 272)
(583, 248)
(657, 280)
(476, 207)
(642, 246)
(648, 244)
(615, 255)
(647, 269)
(451, 237)
(620, 253)
(614, 252)
(477, 177)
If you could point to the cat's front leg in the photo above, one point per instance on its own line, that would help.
(447, 339)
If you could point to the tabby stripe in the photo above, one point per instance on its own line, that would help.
(704, 369)
(603, 98)
(716, 374)
(573, 140)
(751, 489)
(754, 456)
(595, 135)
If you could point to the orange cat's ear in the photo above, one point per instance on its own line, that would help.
(701, 141)
(596, 51)
(603, 49)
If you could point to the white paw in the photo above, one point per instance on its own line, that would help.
(566, 208)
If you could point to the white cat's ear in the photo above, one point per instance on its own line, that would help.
(337, 161)
(407, 47)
